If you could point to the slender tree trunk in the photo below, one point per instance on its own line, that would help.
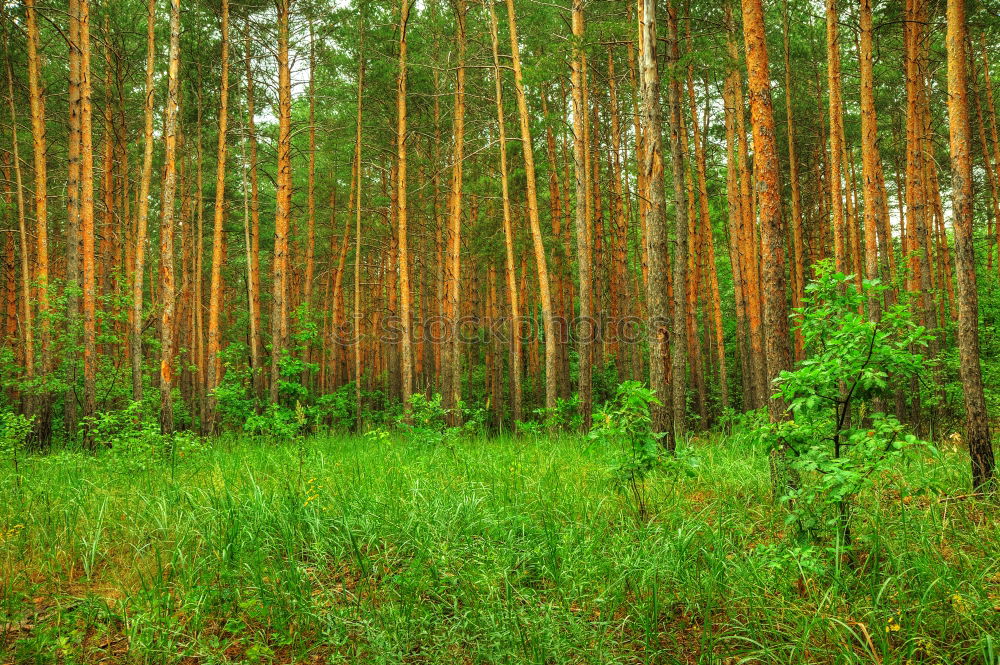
(708, 242)
(27, 324)
(198, 271)
(977, 431)
(732, 103)
(872, 174)
(307, 286)
(142, 217)
(339, 313)
(508, 228)
(583, 246)
(679, 350)
(167, 223)
(541, 265)
(406, 347)
(992, 175)
(247, 239)
(871, 161)
(916, 200)
(991, 114)
(836, 136)
(357, 228)
(87, 226)
(214, 367)
(749, 250)
(73, 219)
(43, 408)
(452, 361)
(9, 330)
(658, 311)
(798, 273)
(283, 202)
(253, 248)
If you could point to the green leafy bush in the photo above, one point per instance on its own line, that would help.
(838, 437)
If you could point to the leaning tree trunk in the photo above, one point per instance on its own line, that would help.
(541, 265)
(508, 228)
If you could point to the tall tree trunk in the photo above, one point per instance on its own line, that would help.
(541, 265)
(508, 228)
(977, 431)
(708, 242)
(87, 226)
(991, 114)
(356, 342)
(798, 273)
(732, 103)
(452, 361)
(618, 291)
(283, 202)
(749, 250)
(307, 286)
(583, 245)
(167, 223)
(836, 136)
(767, 185)
(214, 367)
(248, 245)
(877, 241)
(658, 311)
(679, 350)
(27, 325)
(406, 347)
(73, 219)
(43, 408)
(871, 161)
(916, 200)
(254, 244)
(142, 217)
(992, 175)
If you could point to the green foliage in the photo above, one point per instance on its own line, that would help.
(336, 410)
(626, 422)
(428, 424)
(234, 396)
(135, 441)
(837, 437)
(565, 416)
(428, 421)
(278, 423)
(14, 431)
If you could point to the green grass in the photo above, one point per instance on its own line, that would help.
(493, 551)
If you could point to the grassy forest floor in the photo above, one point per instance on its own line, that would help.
(368, 550)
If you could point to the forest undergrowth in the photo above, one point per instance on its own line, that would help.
(388, 549)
